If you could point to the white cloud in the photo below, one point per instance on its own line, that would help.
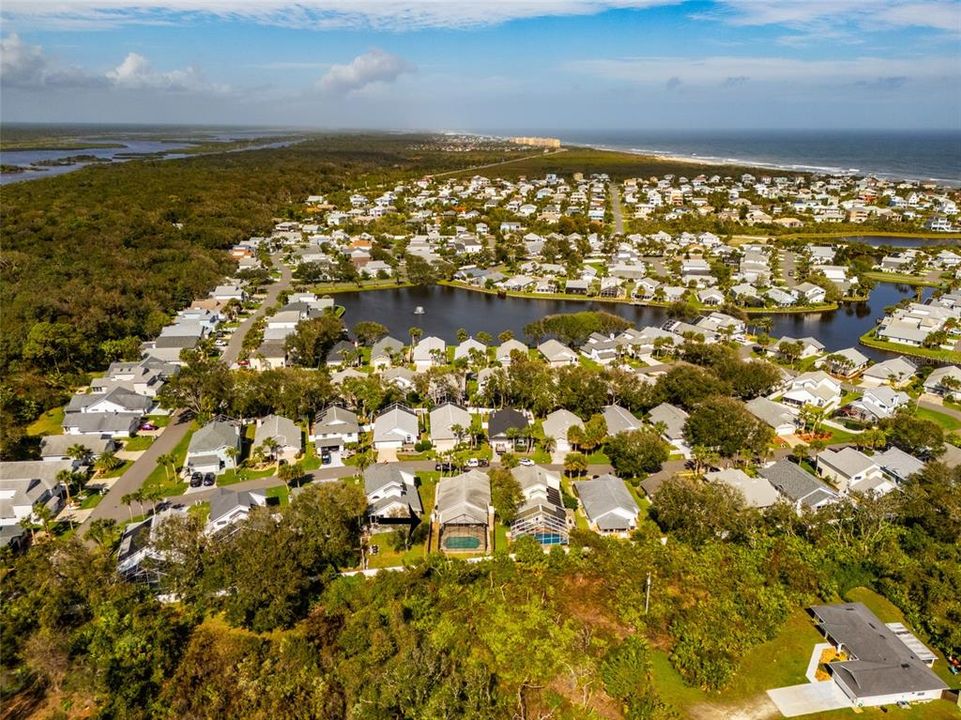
(743, 71)
(372, 67)
(311, 14)
(135, 73)
(28, 66)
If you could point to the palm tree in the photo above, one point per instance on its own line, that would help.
(128, 501)
(364, 460)
(873, 438)
(415, 334)
(166, 460)
(27, 524)
(80, 453)
(107, 461)
(271, 446)
(575, 463)
(232, 453)
(66, 478)
(44, 515)
(549, 444)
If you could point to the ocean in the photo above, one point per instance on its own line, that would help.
(915, 155)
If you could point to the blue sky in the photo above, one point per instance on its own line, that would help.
(496, 65)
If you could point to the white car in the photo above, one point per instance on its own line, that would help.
(473, 462)
(527, 462)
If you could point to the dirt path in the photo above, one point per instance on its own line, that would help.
(759, 707)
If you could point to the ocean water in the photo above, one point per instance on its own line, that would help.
(917, 155)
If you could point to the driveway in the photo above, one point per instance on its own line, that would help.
(810, 698)
(616, 208)
(235, 345)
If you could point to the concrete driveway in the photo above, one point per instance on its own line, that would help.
(810, 698)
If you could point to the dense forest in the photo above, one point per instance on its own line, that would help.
(266, 629)
(94, 260)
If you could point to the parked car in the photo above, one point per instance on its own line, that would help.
(526, 462)
(473, 462)
(148, 426)
(325, 458)
(196, 479)
(445, 467)
(210, 479)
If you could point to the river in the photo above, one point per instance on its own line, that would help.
(447, 309)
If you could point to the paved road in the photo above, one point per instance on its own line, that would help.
(236, 343)
(131, 481)
(616, 208)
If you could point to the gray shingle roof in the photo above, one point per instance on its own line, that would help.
(796, 484)
(607, 502)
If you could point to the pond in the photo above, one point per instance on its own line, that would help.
(901, 242)
(447, 309)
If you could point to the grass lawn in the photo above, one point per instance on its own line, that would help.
(200, 510)
(386, 555)
(117, 471)
(280, 492)
(598, 458)
(168, 483)
(946, 421)
(50, 423)
(91, 501)
(159, 420)
(229, 477)
(839, 437)
(500, 536)
(138, 444)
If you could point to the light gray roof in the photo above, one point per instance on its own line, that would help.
(464, 499)
(897, 463)
(385, 346)
(883, 664)
(757, 491)
(57, 445)
(102, 422)
(554, 350)
(899, 367)
(672, 417)
(212, 437)
(443, 418)
(619, 420)
(336, 419)
(284, 431)
(848, 461)
(504, 350)
(224, 501)
(770, 412)
(558, 422)
(383, 475)
(797, 485)
(608, 503)
(396, 419)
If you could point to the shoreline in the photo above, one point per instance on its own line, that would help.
(945, 357)
(796, 168)
(795, 310)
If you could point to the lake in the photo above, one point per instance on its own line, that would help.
(447, 309)
(904, 242)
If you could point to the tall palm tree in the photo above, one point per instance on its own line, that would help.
(66, 478)
(44, 515)
(166, 460)
(128, 501)
(81, 453)
(415, 334)
(107, 461)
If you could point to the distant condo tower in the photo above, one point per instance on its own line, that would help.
(537, 141)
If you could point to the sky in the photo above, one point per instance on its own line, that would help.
(494, 65)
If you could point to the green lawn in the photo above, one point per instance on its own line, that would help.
(168, 483)
(839, 437)
(280, 492)
(945, 421)
(388, 557)
(50, 423)
(598, 458)
(138, 444)
(159, 420)
(500, 536)
(91, 501)
(117, 471)
(231, 476)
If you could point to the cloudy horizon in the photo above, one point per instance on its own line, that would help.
(427, 64)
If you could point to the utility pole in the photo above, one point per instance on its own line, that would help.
(647, 598)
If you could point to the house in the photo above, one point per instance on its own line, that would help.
(619, 420)
(430, 351)
(334, 428)
(444, 420)
(609, 505)
(395, 428)
(845, 363)
(503, 427)
(853, 471)
(672, 420)
(541, 514)
(897, 464)
(944, 381)
(271, 354)
(722, 324)
(556, 353)
(895, 372)
(26, 483)
(57, 447)
(229, 507)
(815, 388)
(504, 351)
(468, 348)
(282, 431)
(117, 400)
(773, 414)
(385, 352)
(809, 347)
(392, 496)
(137, 556)
(757, 491)
(213, 448)
(104, 425)
(877, 664)
(812, 294)
(878, 404)
(798, 487)
(463, 515)
(557, 425)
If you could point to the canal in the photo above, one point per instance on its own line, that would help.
(447, 309)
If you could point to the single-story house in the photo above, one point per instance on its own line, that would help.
(385, 352)
(944, 381)
(896, 372)
(56, 447)
(541, 514)
(757, 491)
(430, 351)
(797, 486)
(463, 514)
(335, 427)
(499, 427)
(853, 471)
(230, 507)
(556, 426)
(286, 433)
(395, 428)
(105, 425)
(609, 505)
(443, 421)
(556, 353)
(503, 352)
(672, 420)
(619, 420)
(777, 416)
(25, 483)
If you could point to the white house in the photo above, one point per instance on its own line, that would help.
(815, 388)
(395, 428)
